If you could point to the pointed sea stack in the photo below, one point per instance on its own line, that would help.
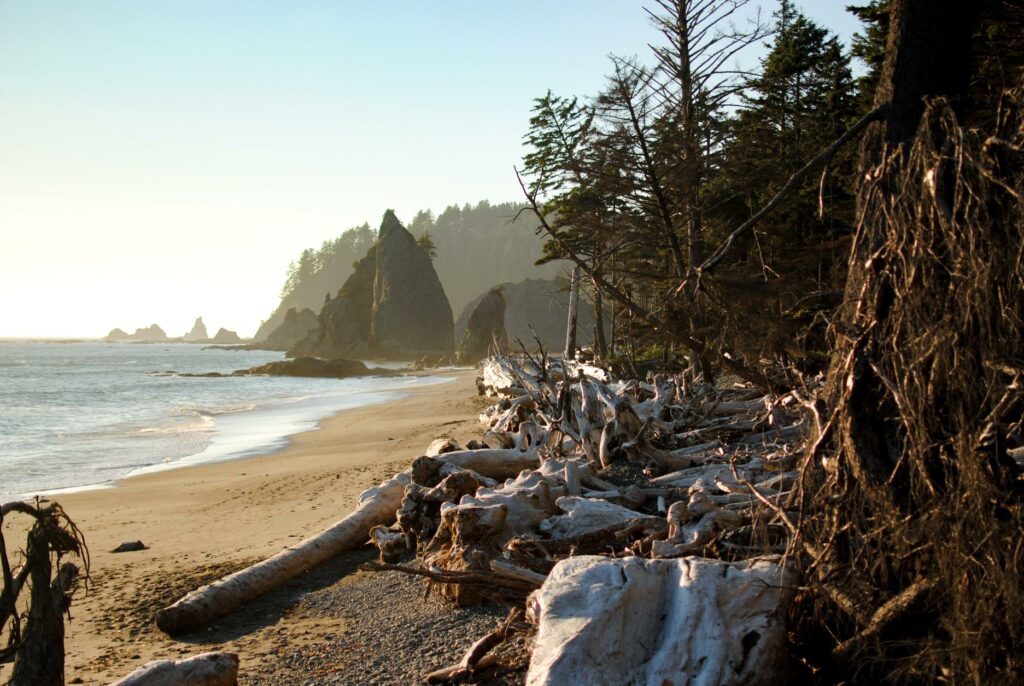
(392, 306)
(198, 332)
(411, 314)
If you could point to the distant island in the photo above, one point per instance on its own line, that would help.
(155, 334)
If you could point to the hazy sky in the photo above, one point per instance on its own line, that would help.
(165, 159)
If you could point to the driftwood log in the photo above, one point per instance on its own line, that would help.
(377, 506)
(637, 621)
(208, 669)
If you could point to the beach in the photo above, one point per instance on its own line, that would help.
(200, 522)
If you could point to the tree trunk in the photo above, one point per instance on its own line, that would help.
(208, 669)
(600, 342)
(570, 331)
(928, 55)
(201, 606)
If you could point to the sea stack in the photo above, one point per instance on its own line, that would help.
(198, 332)
(392, 306)
(411, 313)
(226, 336)
(150, 334)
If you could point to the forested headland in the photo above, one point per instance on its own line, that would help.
(474, 247)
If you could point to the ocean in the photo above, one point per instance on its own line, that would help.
(80, 415)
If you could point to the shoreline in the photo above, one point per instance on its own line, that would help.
(261, 430)
(201, 521)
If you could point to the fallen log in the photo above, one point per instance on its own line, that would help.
(496, 463)
(683, 621)
(377, 506)
(208, 669)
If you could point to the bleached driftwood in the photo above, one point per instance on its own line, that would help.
(376, 506)
(693, 524)
(438, 446)
(208, 669)
(584, 515)
(633, 621)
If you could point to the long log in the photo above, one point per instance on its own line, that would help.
(199, 607)
(496, 463)
(208, 669)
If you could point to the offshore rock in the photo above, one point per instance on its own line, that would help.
(198, 333)
(117, 335)
(485, 328)
(150, 334)
(225, 336)
(312, 367)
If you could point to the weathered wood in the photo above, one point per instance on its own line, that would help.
(637, 621)
(584, 515)
(208, 669)
(511, 571)
(455, 672)
(496, 463)
(376, 506)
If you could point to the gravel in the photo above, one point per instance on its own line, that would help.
(377, 628)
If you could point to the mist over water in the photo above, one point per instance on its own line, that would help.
(79, 414)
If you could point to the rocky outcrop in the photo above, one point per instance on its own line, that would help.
(149, 334)
(198, 333)
(297, 324)
(225, 336)
(485, 327)
(392, 306)
(311, 367)
(152, 334)
(541, 304)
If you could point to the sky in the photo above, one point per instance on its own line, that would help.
(162, 160)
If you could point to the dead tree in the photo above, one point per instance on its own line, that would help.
(38, 647)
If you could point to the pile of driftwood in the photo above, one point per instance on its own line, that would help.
(640, 526)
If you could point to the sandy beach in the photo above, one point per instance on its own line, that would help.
(203, 521)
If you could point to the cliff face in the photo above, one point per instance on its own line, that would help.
(391, 306)
(542, 305)
(486, 325)
(297, 324)
(343, 327)
(198, 332)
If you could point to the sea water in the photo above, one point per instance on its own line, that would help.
(78, 415)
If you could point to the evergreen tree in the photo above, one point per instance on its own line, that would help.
(427, 244)
(800, 103)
